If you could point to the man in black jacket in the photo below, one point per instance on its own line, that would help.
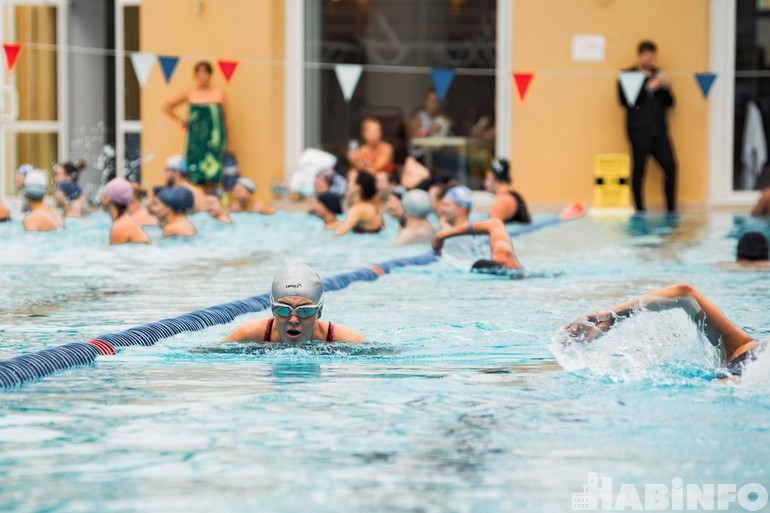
(646, 124)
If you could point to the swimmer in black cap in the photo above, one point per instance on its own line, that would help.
(508, 205)
(454, 208)
(751, 254)
(738, 348)
(297, 301)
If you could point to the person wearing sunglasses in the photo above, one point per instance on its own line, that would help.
(297, 302)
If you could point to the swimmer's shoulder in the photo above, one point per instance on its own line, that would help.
(251, 331)
(345, 334)
(763, 266)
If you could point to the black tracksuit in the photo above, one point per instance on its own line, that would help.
(648, 134)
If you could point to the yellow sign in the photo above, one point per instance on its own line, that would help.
(611, 180)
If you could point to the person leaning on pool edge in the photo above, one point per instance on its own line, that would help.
(297, 298)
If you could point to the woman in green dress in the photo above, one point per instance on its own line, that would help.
(206, 139)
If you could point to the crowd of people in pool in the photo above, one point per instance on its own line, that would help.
(372, 187)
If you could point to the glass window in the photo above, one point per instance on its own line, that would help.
(398, 42)
(38, 149)
(752, 97)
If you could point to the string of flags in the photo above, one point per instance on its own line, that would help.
(348, 75)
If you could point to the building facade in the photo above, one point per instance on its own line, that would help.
(74, 90)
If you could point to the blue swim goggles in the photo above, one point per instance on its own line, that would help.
(302, 311)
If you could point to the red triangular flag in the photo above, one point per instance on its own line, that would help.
(11, 54)
(522, 83)
(228, 68)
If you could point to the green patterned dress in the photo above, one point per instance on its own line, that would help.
(205, 144)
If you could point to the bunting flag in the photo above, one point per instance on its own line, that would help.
(442, 79)
(348, 76)
(227, 68)
(523, 80)
(142, 66)
(11, 55)
(631, 83)
(705, 81)
(168, 65)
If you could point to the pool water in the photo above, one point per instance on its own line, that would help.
(457, 404)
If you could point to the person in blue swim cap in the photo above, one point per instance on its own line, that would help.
(737, 348)
(296, 298)
(454, 209)
(171, 205)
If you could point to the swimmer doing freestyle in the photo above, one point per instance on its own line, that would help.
(297, 299)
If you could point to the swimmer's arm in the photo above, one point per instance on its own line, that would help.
(345, 334)
(254, 330)
(487, 227)
(716, 326)
(351, 220)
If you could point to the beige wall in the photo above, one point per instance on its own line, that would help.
(250, 31)
(571, 112)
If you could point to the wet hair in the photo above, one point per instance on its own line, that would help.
(203, 64)
(367, 183)
(120, 209)
(73, 169)
(646, 46)
(753, 246)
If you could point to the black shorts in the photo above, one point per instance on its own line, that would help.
(736, 366)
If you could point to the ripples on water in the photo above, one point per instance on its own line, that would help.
(457, 404)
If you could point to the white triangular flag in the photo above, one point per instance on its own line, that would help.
(631, 82)
(347, 76)
(142, 66)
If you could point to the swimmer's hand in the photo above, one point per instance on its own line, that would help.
(438, 242)
(589, 327)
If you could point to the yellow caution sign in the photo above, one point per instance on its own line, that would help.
(611, 180)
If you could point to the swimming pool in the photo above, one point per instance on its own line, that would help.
(457, 404)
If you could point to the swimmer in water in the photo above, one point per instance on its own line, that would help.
(297, 301)
(116, 197)
(751, 254)
(454, 208)
(737, 347)
(170, 205)
(41, 217)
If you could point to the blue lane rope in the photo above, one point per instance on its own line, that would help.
(33, 366)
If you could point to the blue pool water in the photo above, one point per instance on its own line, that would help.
(457, 404)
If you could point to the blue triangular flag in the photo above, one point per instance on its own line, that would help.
(705, 81)
(442, 79)
(168, 65)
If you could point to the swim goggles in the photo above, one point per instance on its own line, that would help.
(302, 311)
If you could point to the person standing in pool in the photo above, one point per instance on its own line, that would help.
(508, 206)
(297, 299)
(454, 208)
(116, 196)
(363, 216)
(206, 125)
(41, 217)
(171, 205)
(737, 347)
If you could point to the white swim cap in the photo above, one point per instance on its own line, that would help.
(297, 279)
(417, 203)
(35, 184)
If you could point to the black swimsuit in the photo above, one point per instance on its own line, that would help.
(522, 213)
(737, 365)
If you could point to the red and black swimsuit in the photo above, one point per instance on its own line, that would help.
(269, 331)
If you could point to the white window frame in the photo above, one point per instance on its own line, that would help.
(722, 109)
(123, 126)
(60, 126)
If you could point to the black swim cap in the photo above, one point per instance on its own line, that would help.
(501, 169)
(753, 246)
